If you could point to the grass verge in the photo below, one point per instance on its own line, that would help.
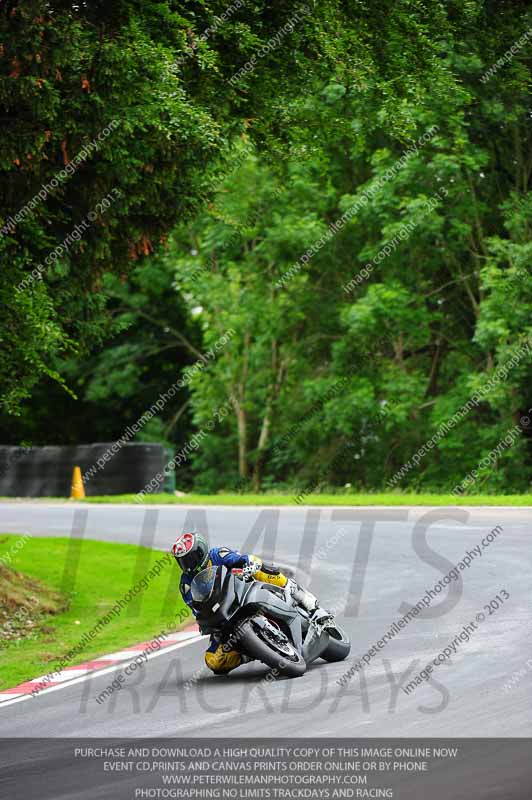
(76, 584)
(322, 499)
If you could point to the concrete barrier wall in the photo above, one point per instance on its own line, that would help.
(47, 471)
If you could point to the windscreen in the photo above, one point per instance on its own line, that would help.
(203, 584)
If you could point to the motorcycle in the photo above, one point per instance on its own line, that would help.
(264, 622)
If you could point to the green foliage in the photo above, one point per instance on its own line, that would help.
(410, 305)
(129, 79)
(446, 307)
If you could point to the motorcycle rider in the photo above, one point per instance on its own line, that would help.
(192, 554)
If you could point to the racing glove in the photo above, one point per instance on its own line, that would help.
(249, 570)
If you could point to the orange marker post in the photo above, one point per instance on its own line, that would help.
(77, 491)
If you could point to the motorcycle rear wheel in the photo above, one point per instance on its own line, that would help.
(284, 660)
(339, 645)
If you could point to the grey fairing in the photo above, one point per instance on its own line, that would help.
(270, 598)
(239, 600)
(279, 606)
(314, 644)
(307, 638)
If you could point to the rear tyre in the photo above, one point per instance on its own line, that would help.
(339, 645)
(281, 656)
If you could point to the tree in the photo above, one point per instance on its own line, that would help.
(446, 200)
(114, 117)
(228, 278)
(358, 219)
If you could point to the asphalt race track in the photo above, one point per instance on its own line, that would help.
(364, 563)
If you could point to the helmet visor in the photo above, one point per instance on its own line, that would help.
(191, 562)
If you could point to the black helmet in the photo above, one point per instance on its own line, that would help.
(191, 551)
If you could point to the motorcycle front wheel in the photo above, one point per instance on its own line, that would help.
(273, 650)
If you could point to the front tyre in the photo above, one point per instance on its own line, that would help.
(339, 645)
(273, 648)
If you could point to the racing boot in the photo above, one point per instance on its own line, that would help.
(309, 602)
(303, 597)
